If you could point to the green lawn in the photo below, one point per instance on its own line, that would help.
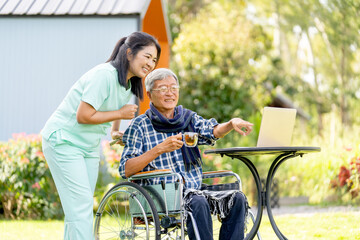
(319, 226)
(324, 226)
(31, 230)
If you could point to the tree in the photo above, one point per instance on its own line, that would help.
(338, 22)
(330, 29)
(307, 49)
(221, 58)
(183, 11)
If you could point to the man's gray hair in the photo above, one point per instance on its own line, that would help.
(158, 74)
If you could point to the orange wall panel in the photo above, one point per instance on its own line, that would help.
(154, 24)
(154, 21)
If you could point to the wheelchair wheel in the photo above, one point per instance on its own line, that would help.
(127, 212)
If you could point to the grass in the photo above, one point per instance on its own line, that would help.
(319, 226)
(31, 230)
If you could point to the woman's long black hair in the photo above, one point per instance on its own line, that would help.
(135, 42)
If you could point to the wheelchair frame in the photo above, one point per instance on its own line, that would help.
(152, 217)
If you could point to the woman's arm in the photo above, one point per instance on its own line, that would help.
(115, 126)
(241, 126)
(116, 133)
(87, 114)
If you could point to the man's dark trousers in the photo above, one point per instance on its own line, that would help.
(232, 227)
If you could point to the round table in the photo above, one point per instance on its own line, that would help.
(281, 154)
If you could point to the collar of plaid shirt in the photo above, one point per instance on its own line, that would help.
(180, 122)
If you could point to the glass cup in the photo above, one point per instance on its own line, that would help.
(190, 139)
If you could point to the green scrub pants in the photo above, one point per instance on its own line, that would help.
(75, 172)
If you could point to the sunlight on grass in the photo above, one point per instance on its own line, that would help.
(320, 226)
(31, 230)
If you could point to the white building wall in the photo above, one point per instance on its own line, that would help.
(42, 57)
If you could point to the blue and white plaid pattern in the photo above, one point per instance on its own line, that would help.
(140, 137)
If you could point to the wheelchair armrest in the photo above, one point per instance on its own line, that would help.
(220, 173)
(152, 174)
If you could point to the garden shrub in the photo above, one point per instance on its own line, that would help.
(112, 156)
(26, 186)
(109, 171)
(347, 182)
(316, 175)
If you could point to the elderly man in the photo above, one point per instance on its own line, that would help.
(154, 141)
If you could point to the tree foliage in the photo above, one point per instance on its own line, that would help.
(181, 12)
(234, 56)
(222, 60)
(318, 42)
(224, 52)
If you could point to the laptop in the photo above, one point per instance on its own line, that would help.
(277, 125)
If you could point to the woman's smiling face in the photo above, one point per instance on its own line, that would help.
(143, 62)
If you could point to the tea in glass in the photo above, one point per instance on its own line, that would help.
(190, 139)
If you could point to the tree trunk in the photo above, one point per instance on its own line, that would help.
(343, 100)
(8, 201)
(317, 89)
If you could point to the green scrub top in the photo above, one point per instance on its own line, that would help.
(100, 88)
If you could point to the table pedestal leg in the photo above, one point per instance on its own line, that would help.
(274, 166)
(260, 197)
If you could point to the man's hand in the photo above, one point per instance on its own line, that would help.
(136, 164)
(241, 126)
(171, 144)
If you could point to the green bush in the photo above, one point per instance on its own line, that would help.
(222, 60)
(316, 175)
(108, 178)
(26, 186)
(347, 182)
(112, 156)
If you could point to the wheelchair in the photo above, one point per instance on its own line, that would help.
(131, 211)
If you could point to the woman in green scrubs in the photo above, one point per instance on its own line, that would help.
(71, 137)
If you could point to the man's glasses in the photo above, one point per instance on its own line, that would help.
(164, 90)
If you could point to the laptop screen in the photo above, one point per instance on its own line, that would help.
(277, 125)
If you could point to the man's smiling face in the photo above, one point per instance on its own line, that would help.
(165, 102)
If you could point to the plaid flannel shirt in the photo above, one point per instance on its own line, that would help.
(141, 136)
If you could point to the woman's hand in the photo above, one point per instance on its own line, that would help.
(241, 126)
(87, 114)
(118, 135)
(128, 111)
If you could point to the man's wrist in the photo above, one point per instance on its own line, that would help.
(158, 150)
